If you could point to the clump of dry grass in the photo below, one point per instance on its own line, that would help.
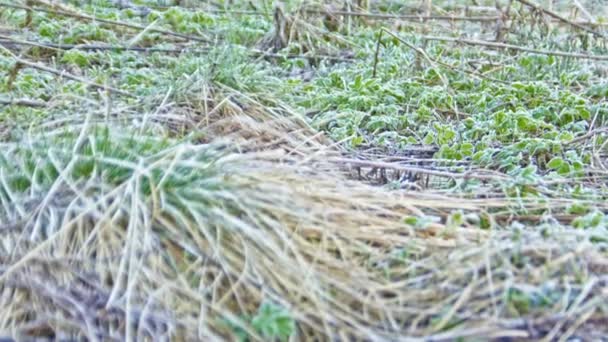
(119, 235)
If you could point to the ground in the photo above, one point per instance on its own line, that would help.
(304, 170)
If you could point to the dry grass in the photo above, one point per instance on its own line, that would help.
(188, 236)
(181, 220)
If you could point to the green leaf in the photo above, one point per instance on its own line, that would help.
(76, 57)
(555, 163)
(578, 209)
(428, 139)
(591, 220)
(564, 169)
(356, 141)
(358, 82)
(421, 222)
(583, 112)
(411, 220)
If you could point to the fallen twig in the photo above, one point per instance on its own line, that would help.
(587, 135)
(105, 21)
(398, 167)
(90, 47)
(405, 16)
(64, 74)
(23, 102)
(198, 49)
(60, 73)
(420, 52)
(434, 61)
(515, 47)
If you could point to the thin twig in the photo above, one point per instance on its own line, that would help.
(560, 18)
(404, 16)
(105, 21)
(17, 41)
(90, 47)
(375, 15)
(515, 47)
(445, 65)
(279, 55)
(421, 53)
(399, 167)
(587, 135)
(64, 74)
(198, 49)
(23, 102)
(580, 7)
(204, 9)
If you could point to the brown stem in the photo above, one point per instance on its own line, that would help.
(377, 53)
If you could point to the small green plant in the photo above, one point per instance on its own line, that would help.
(421, 222)
(76, 57)
(273, 322)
